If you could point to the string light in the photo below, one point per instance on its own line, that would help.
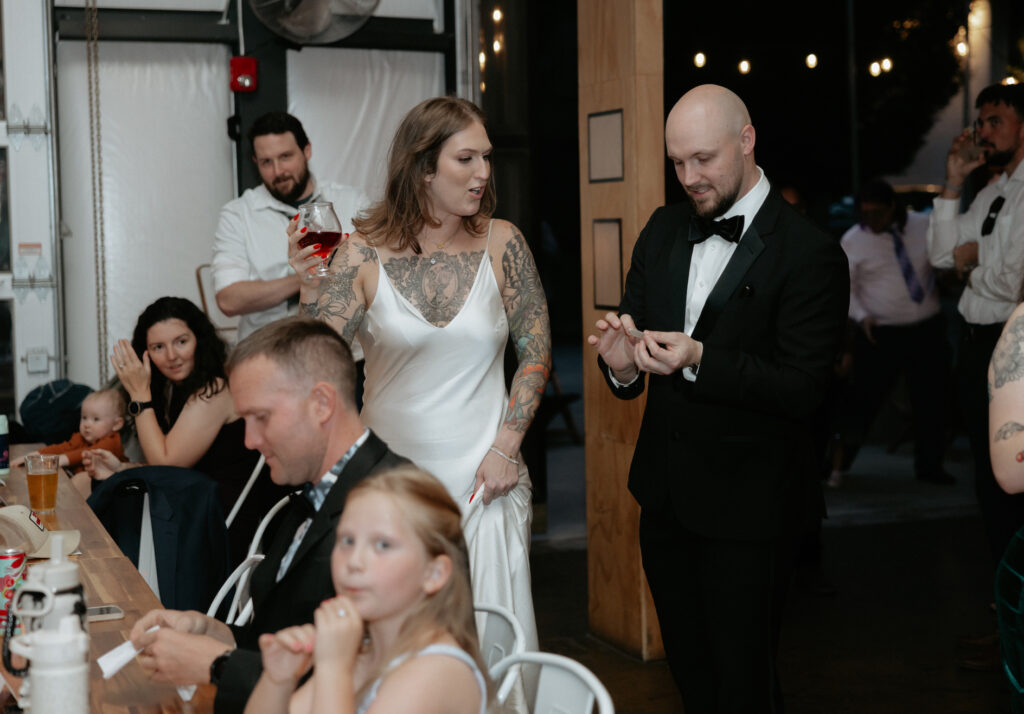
(875, 69)
(497, 46)
(699, 59)
(886, 64)
(812, 60)
(1010, 80)
(496, 14)
(483, 60)
(744, 66)
(961, 48)
(483, 86)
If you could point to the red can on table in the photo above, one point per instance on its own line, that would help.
(12, 573)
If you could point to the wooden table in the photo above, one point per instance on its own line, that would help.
(109, 578)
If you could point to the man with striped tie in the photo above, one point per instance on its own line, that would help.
(894, 300)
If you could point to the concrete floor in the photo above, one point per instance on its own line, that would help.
(908, 560)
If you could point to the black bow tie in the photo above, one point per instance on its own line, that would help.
(729, 228)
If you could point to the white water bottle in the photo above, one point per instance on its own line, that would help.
(58, 673)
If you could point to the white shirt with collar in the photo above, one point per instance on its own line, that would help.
(877, 286)
(251, 241)
(993, 290)
(708, 261)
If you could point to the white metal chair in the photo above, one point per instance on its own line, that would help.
(227, 327)
(564, 687)
(500, 636)
(245, 491)
(239, 580)
(257, 538)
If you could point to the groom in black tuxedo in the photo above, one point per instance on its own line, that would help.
(734, 305)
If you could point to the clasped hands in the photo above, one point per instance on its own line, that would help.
(627, 350)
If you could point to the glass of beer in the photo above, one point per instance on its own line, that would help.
(42, 482)
(323, 227)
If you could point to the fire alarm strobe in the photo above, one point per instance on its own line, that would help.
(243, 74)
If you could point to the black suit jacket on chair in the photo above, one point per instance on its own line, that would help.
(729, 452)
(306, 583)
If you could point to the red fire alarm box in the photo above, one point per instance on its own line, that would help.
(243, 74)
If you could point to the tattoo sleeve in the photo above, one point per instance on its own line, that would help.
(338, 305)
(1007, 430)
(1008, 356)
(527, 311)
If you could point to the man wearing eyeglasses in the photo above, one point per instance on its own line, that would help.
(986, 245)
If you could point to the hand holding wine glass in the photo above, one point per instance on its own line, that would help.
(323, 229)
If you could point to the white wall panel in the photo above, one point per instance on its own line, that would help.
(167, 170)
(351, 101)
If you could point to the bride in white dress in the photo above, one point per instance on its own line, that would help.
(434, 287)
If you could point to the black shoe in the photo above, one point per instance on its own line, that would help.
(939, 477)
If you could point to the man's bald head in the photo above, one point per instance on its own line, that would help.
(710, 140)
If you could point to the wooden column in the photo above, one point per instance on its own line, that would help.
(620, 68)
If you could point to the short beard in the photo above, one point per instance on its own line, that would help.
(999, 159)
(724, 203)
(293, 196)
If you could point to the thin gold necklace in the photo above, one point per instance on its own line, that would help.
(440, 246)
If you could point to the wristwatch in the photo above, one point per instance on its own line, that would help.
(217, 667)
(136, 408)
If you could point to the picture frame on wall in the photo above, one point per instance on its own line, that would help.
(607, 252)
(605, 146)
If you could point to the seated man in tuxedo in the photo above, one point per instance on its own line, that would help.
(292, 381)
(737, 322)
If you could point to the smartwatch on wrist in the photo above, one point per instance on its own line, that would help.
(136, 408)
(217, 667)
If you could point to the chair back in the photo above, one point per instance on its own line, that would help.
(501, 635)
(564, 687)
(239, 580)
(227, 327)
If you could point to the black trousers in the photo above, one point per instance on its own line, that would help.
(1001, 513)
(920, 352)
(714, 600)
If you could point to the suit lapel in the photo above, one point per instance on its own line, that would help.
(749, 248)
(361, 463)
(679, 267)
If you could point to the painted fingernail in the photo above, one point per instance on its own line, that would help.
(316, 246)
(302, 231)
(295, 217)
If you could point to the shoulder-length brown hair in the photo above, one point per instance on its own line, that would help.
(397, 220)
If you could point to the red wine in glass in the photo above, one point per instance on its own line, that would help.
(323, 227)
(328, 241)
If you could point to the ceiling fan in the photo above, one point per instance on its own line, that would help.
(313, 22)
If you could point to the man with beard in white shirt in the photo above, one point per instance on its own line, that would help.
(251, 274)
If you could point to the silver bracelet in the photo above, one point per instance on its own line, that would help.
(503, 455)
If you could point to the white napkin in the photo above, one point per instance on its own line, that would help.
(114, 661)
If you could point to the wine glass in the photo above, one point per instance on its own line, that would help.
(323, 227)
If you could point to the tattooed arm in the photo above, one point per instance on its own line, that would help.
(1006, 405)
(527, 312)
(338, 299)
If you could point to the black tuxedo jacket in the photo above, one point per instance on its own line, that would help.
(729, 453)
(306, 583)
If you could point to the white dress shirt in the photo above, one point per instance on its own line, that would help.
(993, 290)
(709, 258)
(877, 286)
(708, 261)
(251, 242)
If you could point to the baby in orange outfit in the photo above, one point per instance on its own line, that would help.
(102, 418)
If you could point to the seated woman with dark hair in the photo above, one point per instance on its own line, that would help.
(173, 372)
